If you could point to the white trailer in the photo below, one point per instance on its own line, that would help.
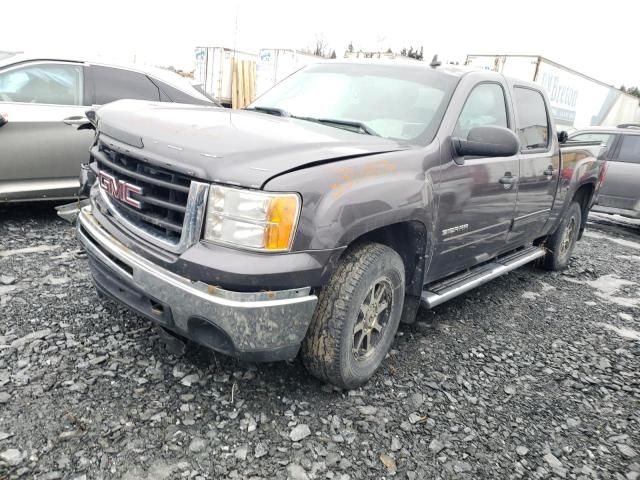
(214, 70)
(577, 100)
(274, 64)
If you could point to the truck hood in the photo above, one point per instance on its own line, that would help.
(236, 147)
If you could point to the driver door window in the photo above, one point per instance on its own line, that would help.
(51, 84)
(485, 106)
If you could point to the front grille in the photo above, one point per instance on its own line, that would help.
(163, 201)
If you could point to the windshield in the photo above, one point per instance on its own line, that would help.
(401, 102)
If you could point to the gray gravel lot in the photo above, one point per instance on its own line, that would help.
(535, 375)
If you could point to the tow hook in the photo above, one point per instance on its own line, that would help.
(70, 211)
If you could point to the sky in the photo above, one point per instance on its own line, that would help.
(596, 38)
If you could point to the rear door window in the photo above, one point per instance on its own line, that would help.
(533, 121)
(42, 83)
(172, 94)
(111, 84)
(629, 149)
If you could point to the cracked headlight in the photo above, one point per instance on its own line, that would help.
(251, 219)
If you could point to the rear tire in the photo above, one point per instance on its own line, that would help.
(357, 316)
(561, 243)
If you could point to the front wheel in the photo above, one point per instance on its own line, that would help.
(357, 316)
(561, 243)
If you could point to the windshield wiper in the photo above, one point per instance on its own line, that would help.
(270, 110)
(350, 124)
(363, 127)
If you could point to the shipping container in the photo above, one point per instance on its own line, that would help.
(274, 64)
(214, 70)
(577, 100)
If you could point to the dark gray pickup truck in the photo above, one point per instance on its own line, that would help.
(325, 213)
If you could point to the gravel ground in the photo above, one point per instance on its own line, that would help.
(535, 375)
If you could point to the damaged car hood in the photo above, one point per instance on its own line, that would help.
(229, 146)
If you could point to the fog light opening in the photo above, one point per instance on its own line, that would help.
(210, 335)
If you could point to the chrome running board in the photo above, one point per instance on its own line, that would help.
(440, 292)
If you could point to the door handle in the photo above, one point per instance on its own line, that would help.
(76, 120)
(549, 171)
(508, 179)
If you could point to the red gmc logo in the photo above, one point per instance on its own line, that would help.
(119, 189)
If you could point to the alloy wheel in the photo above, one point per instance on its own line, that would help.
(567, 237)
(372, 319)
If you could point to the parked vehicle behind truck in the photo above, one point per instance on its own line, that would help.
(620, 192)
(43, 100)
(317, 219)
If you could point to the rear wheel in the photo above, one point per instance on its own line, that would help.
(356, 317)
(561, 243)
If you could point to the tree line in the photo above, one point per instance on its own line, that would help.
(320, 48)
(635, 91)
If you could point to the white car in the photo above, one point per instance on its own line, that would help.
(43, 100)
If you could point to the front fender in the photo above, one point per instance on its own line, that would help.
(347, 199)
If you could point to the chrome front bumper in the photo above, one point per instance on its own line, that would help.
(256, 326)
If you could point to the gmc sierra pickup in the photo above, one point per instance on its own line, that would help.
(330, 209)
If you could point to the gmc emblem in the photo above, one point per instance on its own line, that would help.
(119, 189)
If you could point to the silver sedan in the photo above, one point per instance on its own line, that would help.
(43, 101)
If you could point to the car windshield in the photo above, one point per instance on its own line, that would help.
(401, 102)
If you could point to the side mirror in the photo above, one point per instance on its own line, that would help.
(563, 136)
(487, 141)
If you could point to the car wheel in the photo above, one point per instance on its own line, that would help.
(560, 244)
(357, 316)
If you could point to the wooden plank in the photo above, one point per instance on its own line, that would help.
(234, 85)
(243, 83)
(246, 76)
(252, 82)
(240, 85)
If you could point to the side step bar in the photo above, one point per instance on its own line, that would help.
(445, 290)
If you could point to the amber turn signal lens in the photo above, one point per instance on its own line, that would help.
(252, 219)
(281, 221)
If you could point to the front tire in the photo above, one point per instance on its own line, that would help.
(357, 316)
(561, 243)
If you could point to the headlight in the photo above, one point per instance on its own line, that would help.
(251, 219)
